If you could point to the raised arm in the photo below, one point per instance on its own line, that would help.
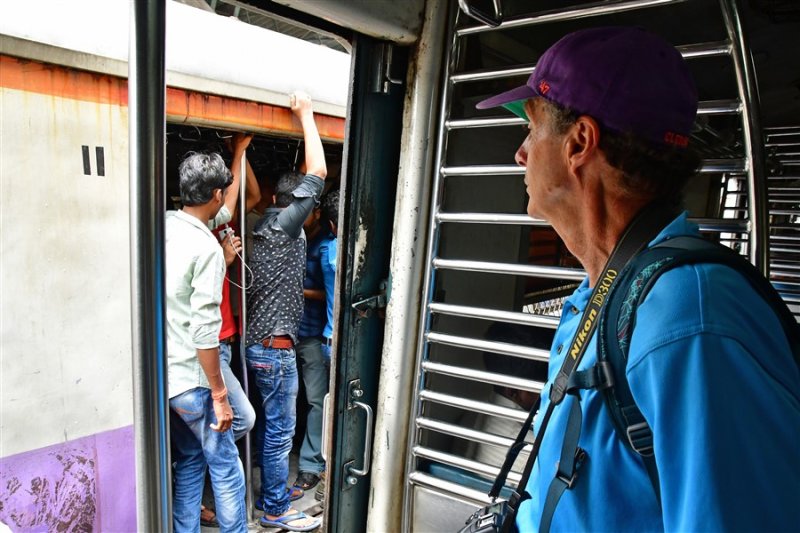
(238, 146)
(300, 104)
(251, 189)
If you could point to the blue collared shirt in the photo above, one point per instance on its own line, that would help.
(712, 372)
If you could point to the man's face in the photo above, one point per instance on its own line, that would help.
(541, 153)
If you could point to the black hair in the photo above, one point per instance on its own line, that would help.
(199, 174)
(286, 185)
(330, 208)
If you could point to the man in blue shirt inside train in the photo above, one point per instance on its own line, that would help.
(610, 111)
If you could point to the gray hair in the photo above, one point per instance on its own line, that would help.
(199, 175)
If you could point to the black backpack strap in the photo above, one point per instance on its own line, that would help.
(619, 318)
(570, 461)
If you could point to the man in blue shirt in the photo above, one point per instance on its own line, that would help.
(330, 217)
(314, 368)
(610, 111)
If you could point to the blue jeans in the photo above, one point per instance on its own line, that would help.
(315, 378)
(244, 416)
(197, 445)
(275, 372)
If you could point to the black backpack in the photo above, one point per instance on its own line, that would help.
(631, 288)
(608, 375)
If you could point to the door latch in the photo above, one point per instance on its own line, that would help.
(365, 307)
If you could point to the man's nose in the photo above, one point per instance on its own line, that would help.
(521, 157)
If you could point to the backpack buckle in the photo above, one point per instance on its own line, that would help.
(580, 457)
(640, 438)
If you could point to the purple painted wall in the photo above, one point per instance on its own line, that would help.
(87, 484)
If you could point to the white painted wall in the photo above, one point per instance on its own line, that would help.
(65, 325)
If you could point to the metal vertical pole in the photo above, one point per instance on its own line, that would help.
(758, 211)
(248, 459)
(146, 105)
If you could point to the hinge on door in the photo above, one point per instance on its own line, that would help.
(365, 307)
(382, 77)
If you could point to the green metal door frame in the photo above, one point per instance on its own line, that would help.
(368, 191)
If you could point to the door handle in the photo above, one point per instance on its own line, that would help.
(351, 472)
(324, 450)
(364, 470)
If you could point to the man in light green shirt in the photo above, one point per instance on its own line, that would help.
(200, 414)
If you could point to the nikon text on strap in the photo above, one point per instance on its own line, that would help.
(645, 226)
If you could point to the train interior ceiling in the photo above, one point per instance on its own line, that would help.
(269, 155)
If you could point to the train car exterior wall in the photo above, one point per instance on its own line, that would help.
(66, 444)
(66, 434)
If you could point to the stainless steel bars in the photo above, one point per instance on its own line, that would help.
(590, 10)
(710, 107)
(455, 490)
(460, 462)
(708, 166)
(483, 313)
(751, 134)
(491, 218)
(688, 51)
(573, 274)
(466, 433)
(147, 134)
(482, 376)
(502, 348)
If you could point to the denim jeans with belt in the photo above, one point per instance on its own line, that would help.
(197, 445)
(315, 378)
(244, 416)
(275, 372)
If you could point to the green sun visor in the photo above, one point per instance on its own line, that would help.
(518, 108)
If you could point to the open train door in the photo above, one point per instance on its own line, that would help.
(381, 37)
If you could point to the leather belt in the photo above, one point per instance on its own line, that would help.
(230, 340)
(283, 342)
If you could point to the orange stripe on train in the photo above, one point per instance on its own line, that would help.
(181, 106)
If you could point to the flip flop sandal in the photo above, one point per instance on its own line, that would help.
(306, 480)
(283, 522)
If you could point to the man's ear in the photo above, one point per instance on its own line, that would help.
(582, 141)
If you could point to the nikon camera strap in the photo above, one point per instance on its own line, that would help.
(642, 229)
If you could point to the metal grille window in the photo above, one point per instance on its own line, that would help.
(493, 268)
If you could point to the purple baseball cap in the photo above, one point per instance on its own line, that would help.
(629, 80)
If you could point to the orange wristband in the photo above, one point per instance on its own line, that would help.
(218, 396)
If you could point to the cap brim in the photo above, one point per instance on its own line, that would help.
(518, 108)
(513, 100)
